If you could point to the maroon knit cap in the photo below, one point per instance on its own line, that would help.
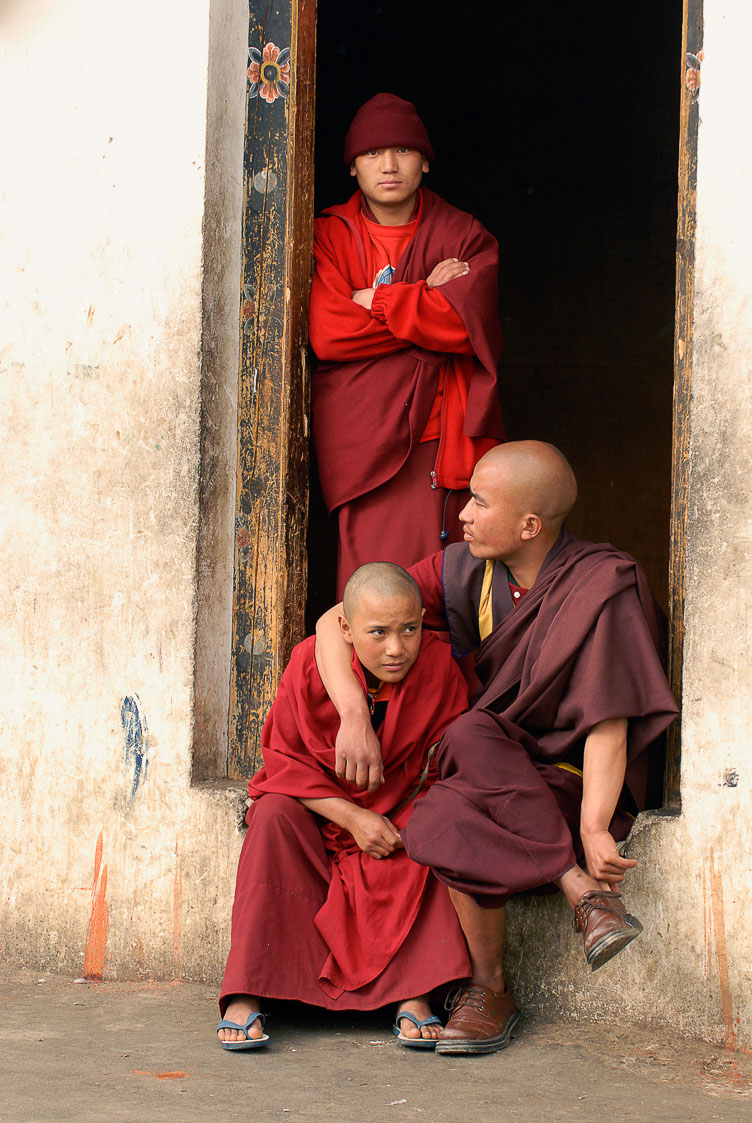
(386, 121)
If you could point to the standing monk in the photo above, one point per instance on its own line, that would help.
(540, 780)
(404, 321)
(329, 909)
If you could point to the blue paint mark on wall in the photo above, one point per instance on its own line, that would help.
(135, 739)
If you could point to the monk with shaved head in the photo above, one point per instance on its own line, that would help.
(329, 909)
(540, 780)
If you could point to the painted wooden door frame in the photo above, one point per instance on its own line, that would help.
(273, 430)
(692, 37)
(273, 395)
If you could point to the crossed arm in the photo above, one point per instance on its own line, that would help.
(446, 270)
(343, 326)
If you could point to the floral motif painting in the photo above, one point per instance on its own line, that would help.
(692, 79)
(269, 72)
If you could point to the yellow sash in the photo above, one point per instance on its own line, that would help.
(485, 609)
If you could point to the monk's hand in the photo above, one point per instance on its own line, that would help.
(374, 834)
(363, 297)
(604, 862)
(357, 753)
(445, 271)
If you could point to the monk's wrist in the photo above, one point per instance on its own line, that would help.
(355, 715)
(590, 826)
(346, 816)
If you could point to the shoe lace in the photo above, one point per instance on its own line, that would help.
(585, 906)
(466, 995)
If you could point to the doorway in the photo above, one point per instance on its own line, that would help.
(562, 137)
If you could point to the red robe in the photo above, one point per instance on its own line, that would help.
(378, 374)
(359, 915)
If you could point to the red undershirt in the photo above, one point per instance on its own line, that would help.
(388, 244)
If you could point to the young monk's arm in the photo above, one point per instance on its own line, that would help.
(340, 329)
(374, 834)
(357, 749)
(419, 312)
(603, 770)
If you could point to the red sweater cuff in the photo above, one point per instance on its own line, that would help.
(379, 303)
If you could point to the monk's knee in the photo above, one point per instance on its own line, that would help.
(480, 748)
(471, 725)
(278, 813)
(467, 736)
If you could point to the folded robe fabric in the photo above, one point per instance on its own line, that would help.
(372, 903)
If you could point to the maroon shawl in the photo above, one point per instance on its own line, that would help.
(582, 646)
(369, 412)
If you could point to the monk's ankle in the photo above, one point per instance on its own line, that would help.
(493, 979)
(575, 882)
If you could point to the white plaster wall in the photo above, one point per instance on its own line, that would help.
(692, 968)
(103, 137)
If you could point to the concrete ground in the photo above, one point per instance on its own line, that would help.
(147, 1051)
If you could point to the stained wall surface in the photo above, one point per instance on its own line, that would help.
(109, 857)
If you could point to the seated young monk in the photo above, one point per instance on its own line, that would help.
(540, 779)
(329, 910)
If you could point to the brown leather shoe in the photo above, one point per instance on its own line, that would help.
(481, 1021)
(605, 924)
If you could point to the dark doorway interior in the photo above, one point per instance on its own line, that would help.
(558, 128)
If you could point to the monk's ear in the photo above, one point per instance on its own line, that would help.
(426, 168)
(532, 525)
(353, 169)
(345, 628)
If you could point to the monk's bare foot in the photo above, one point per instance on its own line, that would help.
(421, 1009)
(239, 1009)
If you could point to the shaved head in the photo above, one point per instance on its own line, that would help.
(381, 579)
(535, 476)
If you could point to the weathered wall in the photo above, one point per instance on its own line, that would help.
(106, 849)
(693, 967)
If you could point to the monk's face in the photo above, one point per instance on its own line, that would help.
(493, 521)
(385, 632)
(389, 177)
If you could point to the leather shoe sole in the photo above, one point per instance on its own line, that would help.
(512, 1029)
(612, 943)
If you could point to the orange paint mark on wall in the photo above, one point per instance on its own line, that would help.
(164, 1075)
(177, 918)
(719, 932)
(96, 934)
(706, 924)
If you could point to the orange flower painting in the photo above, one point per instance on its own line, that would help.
(693, 79)
(269, 72)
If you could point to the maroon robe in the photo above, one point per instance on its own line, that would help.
(316, 919)
(582, 646)
(372, 393)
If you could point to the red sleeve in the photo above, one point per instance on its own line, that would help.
(341, 330)
(428, 575)
(421, 315)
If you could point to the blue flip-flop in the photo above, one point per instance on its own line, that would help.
(415, 1042)
(250, 1042)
